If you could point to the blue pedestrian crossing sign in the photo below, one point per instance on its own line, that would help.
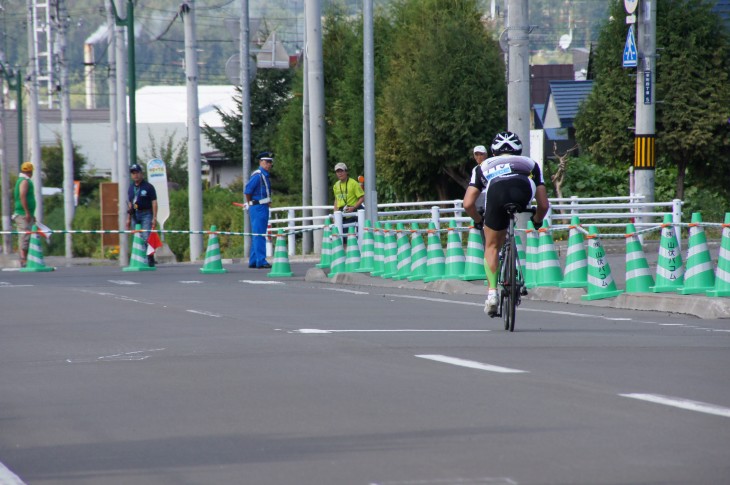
(630, 53)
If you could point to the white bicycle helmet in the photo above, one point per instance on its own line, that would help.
(506, 142)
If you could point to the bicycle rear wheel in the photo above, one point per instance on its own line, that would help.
(506, 288)
(512, 287)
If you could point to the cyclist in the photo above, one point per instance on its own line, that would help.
(507, 177)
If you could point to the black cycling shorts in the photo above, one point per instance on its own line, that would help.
(502, 191)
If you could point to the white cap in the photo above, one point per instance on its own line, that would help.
(341, 166)
(480, 149)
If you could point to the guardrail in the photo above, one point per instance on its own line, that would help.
(603, 212)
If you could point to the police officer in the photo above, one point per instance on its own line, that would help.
(258, 199)
(141, 206)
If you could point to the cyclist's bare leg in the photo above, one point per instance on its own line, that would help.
(493, 242)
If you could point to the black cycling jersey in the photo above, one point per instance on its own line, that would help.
(505, 166)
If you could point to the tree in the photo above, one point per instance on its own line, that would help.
(174, 155)
(270, 94)
(692, 89)
(445, 95)
(52, 157)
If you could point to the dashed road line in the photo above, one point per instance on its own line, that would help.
(678, 402)
(207, 314)
(123, 282)
(342, 290)
(9, 478)
(472, 364)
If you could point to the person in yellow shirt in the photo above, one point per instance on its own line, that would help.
(349, 196)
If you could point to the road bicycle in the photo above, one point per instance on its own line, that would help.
(511, 282)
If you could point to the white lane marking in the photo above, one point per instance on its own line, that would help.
(319, 330)
(554, 312)
(670, 324)
(454, 481)
(11, 269)
(678, 402)
(117, 297)
(123, 282)
(125, 356)
(347, 291)
(6, 284)
(472, 364)
(9, 478)
(256, 282)
(193, 282)
(207, 314)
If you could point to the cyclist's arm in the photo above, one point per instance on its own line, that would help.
(542, 202)
(470, 206)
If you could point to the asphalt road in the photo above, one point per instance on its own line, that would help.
(174, 377)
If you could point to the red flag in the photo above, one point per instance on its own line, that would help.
(153, 242)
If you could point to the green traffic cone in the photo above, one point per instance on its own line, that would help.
(549, 263)
(338, 254)
(418, 255)
(326, 256)
(213, 263)
(34, 260)
(699, 276)
(403, 257)
(390, 250)
(138, 257)
(600, 282)
(454, 254)
(474, 260)
(576, 260)
(722, 275)
(352, 253)
(435, 263)
(638, 276)
(379, 260)
(367, 255)
(531, 267)
(280, 267)
(669, 269)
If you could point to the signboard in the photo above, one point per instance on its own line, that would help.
(630, 5)
(157, 176)
(631, 55)
(647, 87)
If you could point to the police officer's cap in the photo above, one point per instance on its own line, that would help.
(135, 167)
(265, 156)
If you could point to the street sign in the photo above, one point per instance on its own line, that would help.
(631, 55)
(630, 5)
(647, 87)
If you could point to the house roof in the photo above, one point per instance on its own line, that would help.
(168, 104)
(566, 97)
(542, 74)
(722, 8)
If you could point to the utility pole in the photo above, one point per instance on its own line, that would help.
(195, 189)
(518, 72)
(61, 18)
(245, 119)
(371, 194)
(122, 147)
(315, 76)
(645, 133)
(112, 86)
(34, 137)
(307, 239)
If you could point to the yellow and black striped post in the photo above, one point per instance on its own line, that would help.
(644, 153)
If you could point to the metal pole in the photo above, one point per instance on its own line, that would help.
(112, 86)
(245, 119)
(371, 194)
(66, 140)
(315, 76)
(122, 153)
(4, 172)
(195, 184)
(644, 136)
(132, 84)
(34, 137)
(307, 239)
(518, 73)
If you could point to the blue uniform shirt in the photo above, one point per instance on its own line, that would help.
(259, 185)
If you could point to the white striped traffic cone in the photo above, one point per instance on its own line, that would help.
(213, 263)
